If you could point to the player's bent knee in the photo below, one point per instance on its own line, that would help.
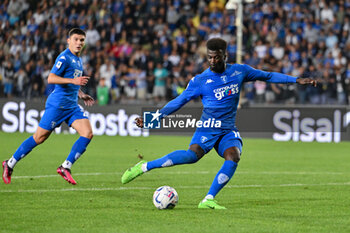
(191, 156)
(233, 157)
(88, 135)
(232, 154)
(197, 150)
(237, 158)
(39, 139)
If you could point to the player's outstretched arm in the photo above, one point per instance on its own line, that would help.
(88, 100)
(55, 79)
(192, 91)
(274, 77)
(307, 81)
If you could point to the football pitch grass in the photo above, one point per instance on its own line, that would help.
(278, 187)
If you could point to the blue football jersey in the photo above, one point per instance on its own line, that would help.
(220, 92)
(65, 96)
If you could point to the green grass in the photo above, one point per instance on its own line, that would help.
(278, 187)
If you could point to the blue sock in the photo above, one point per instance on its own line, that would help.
(78, 149)
(26, 147)
(222, 178)
(174, 158)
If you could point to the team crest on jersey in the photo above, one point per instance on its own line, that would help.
(224, 78)
(73, 61)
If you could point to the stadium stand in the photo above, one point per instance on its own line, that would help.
(147, 50)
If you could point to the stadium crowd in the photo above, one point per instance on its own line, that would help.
(149, 49)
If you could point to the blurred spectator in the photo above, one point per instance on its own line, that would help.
(130, 88)
(107, 71)
(141, 84)
(102, 92)
(9, 78)
(160, 75)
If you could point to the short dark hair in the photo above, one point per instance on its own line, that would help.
(76, 31)
(216, 44)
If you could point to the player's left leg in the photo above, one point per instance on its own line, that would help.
(83, 127)
(232, 157)
(229, 147)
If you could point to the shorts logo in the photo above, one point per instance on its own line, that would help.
(204, 139)
(53, 124)
(151, 120)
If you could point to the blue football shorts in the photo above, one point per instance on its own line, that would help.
(219, 139)
(53, 117)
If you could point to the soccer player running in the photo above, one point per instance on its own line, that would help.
(219, 88)
(61, 105)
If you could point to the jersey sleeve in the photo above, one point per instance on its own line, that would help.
(59, 66)
(192, 91)
(270, 77)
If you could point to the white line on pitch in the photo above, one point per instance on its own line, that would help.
(190, 172)
(178, 187)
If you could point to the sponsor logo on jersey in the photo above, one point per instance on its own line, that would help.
(77, 73)
(226, 91)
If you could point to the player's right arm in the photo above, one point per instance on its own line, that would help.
(58, 71)
(55, 79)
(192, 91)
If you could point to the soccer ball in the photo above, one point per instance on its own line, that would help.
(165, 197)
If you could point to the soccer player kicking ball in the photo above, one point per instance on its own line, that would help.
(219, 88)
(61, 105)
